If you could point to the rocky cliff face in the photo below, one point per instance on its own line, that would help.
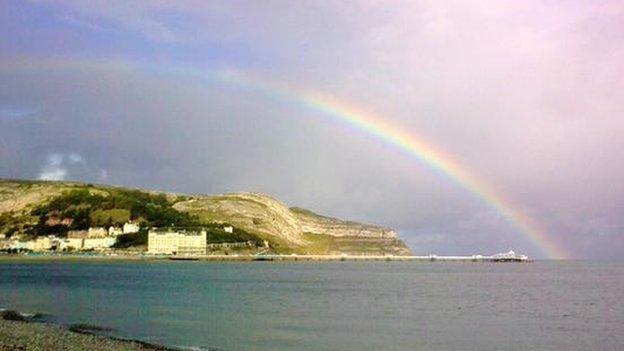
(313, 223)
(299, 229)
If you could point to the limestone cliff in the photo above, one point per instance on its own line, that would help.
(313, 223)
(256, 213)
(297, 229)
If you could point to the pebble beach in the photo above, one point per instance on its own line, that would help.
(15, 335)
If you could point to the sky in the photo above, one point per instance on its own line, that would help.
(527, 96)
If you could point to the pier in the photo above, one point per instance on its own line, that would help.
(502, 257)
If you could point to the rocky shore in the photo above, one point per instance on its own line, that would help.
(17, 333)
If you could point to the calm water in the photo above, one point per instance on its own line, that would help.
(333, 306)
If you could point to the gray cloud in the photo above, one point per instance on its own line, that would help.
(57, 164)
(526, 95)
(53, 169)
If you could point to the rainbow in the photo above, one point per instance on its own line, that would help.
(415, 147)
(368, 123)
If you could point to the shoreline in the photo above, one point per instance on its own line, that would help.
(31, 334)
(76, 257)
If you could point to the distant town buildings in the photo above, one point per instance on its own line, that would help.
(174, 242)
(96, 238)
(170, 241)
(39, 244)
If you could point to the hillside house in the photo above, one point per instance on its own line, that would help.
(114, 231)
(130, 227)
(97, 232)
(53, 221)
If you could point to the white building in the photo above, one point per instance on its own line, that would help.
(98, 243)
(130, 227)
(113, 231)
(22, 245)
(77, 234)
(97, 232)
(173, 242)
(70, 244)
(510, 256)
(44, 243)
(228, 229)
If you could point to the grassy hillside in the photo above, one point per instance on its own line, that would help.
(34, 208)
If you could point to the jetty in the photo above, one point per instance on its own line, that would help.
(501, 257)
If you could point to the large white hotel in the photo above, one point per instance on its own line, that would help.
(176, 242)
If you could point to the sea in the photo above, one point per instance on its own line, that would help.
(544, 305)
